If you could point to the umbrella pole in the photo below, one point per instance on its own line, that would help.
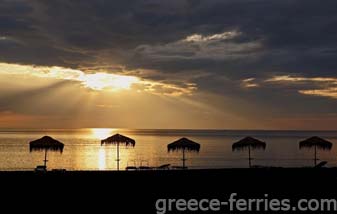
(45, 158)
(184, 158)
(250, 159)
(315, 156)
(118, 157)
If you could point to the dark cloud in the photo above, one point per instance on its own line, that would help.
(283, 27)
(289, 37)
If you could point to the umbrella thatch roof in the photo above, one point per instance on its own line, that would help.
(184, 144)
(46, 143)
(249, 142)
(317, 142)
(119, 139)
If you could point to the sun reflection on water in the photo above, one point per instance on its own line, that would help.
(102, 133)
(101, 159)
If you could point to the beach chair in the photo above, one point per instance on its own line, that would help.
(321, 164)
(145, 168)
(164, 167)
(41, 169)
(59, 170)
(179, 167)
(131, 168)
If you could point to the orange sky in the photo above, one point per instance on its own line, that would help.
(42, 97)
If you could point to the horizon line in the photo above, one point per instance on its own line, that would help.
(168, 129)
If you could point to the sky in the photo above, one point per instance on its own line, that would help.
(178, 64)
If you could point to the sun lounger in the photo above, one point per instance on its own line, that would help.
(131, 168)
(179, 167)
(145, 168)
(321, 164)
(164, 167)
(41, 169)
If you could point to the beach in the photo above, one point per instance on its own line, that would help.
(83, 150)
(138, 191)
(212, 182)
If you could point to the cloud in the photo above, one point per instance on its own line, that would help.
(329, 92)
(228, 38)
(225, 48)
(249, 83)
(98, 81)
(198, 47)
(215, 37)
(288, 78)
(325, 86)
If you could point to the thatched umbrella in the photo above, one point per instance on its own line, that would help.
(249, 143)
(316, 143)
(118, 139)
(46, 144)
(184, 145)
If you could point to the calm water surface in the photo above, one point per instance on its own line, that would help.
(83, 150)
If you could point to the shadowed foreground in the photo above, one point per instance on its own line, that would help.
(138, 191)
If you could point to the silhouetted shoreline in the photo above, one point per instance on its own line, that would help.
(137, 191)
(182, 182)
(230, 174)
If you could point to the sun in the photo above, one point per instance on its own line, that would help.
(102, 133)
(115, 82)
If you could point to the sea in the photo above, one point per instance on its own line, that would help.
(83, 149)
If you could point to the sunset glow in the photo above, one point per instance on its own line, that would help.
(100, 81)
(151, 64)
(102, 133)
(94, 81)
